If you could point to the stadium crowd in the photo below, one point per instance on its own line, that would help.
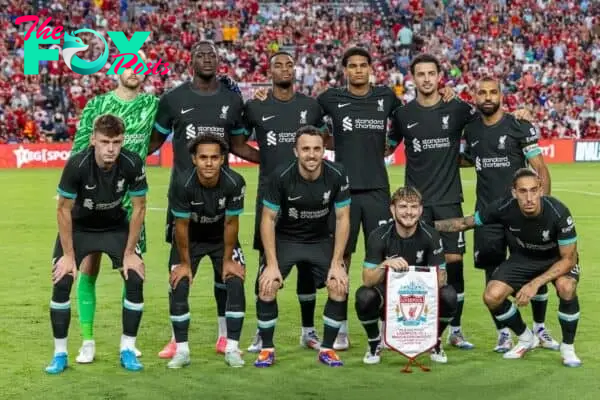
(546, 51)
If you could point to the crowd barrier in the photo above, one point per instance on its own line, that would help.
(48, 155)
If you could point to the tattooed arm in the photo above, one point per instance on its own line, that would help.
(455, 224)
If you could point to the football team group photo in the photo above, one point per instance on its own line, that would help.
(302, 199)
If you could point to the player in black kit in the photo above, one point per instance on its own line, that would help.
(431, 130)
(207, 202)
(545, 251)
(91, 220)
(398, 244)
(296, 230)
(201, 106)
(359, 115)
(498, 144)
(275, 122)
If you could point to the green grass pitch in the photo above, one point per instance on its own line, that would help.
(28, 230)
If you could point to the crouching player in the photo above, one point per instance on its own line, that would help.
(545, 251)
(206, 203)
(295, 230)
(91, 220)
(398, 244)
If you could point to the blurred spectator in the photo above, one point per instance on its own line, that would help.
(547, 52)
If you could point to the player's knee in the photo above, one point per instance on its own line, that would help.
(365, 300)
(270, 295)
(448, 301)
(62, 289)
(236, 300)
(566, 287)
(493, 296)
(335, 292)
(134, 287)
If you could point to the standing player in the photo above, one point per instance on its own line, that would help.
(201, 106)
(91, 219)
(275, 121)
(545, 251)
(206, 203)
(498, 145)
(359, 114)
(137, 110)
(405, 241)
(295, 228)
(431, 130)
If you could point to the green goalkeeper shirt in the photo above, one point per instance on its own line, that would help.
(137, 114)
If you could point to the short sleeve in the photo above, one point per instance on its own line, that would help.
(395, 136)
(435, 255)
(273, 195)
(566, 229)
(178, 200)
(491, 214)
(70, 179)
(138, 185)
(235, 200)
(375, 252)
(468, 112)
(165, 117)
(237, 124)
(528, 137)
(342, 198)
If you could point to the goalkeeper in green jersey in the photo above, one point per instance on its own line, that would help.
(137, 110)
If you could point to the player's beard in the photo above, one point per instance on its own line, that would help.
(427, 92)
(310, 165)
(129, 83)
(488, 108)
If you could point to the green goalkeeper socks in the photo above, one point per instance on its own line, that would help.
(86, 300)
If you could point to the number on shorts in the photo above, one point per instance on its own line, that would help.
(238, 256)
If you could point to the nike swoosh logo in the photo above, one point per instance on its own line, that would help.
(510, 228)
(90, 187)
(268, 118)
(186, 111)
(197, 204)
(411, 125)
(294, 198)
(343, 105)
(474, 143)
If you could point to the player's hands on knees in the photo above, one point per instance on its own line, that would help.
(270, 280)
(337, 278)
(133, 262)
(398, 264)
(447, 93)
(180, 271)
(526, 293)
(232, 268)
(261, 94)
(64, 266)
